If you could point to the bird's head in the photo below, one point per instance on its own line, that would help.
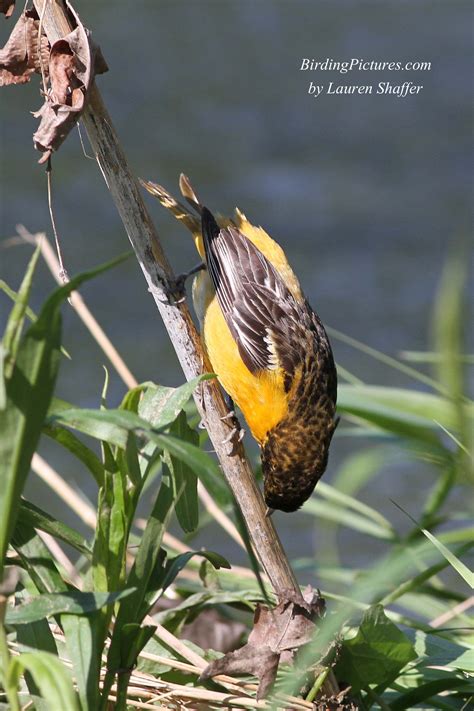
(292, 464)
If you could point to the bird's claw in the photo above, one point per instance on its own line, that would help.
(229, 416)
(235, 436)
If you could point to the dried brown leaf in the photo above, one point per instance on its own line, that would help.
(73, 62)
(7, 7)
(260, 661)
(19, 59)
(276, 634)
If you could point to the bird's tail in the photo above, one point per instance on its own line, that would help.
(180, 211)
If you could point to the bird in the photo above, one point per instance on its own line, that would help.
(267, 346)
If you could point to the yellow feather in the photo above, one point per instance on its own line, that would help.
(262, 397)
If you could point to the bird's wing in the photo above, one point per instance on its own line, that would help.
(262, 314)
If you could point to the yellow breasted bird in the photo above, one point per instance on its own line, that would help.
(267, 346)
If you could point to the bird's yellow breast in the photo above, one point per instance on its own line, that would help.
(261, 397)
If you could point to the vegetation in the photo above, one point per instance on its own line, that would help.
(78, 635)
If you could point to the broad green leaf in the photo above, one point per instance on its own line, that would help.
(36, 635)
(51, 677)
(72, 603)
(160, 405)
(112, 426)
(12, 335)
(183, 477)
(34, 516)
(29, 392)
(376, 654)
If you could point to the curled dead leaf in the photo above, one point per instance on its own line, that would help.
(73, 62)
(7, 7)
(20, 57)
(276, 636)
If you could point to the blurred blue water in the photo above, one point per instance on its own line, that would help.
(364, 192)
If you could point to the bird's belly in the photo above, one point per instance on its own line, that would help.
(261, 397)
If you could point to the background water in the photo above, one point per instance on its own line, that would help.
(365, 193)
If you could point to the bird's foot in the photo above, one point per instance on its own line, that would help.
(269, 512)
(175, 289)
(235, 436)
(235, 433)
(229, 416)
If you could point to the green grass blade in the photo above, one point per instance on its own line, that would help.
(330, 493)
(462, 569)
(51, 677)
(344, 517)
(448, 340)
(74, 445)
(12, 335)
(14, 296)
(426, 691)
(72, 603)
(184, 478)
(34, 516)
(400, 410)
